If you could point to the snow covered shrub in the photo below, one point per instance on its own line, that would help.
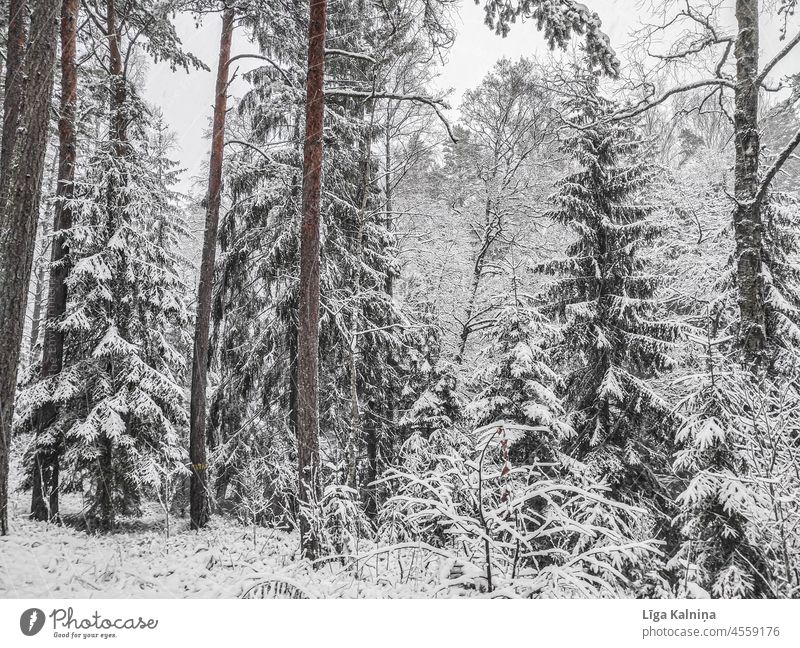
(740, 459)
(529, 532)
(256, 476)
(430, 470)
(344, 521)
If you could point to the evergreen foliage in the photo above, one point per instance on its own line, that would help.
(121, 399)
(615, 338)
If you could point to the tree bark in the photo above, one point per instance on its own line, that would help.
(17, 38)
(747, 217)
(46, 467)
(36, 315)
(21, 171)
(199, 512)
(308, 307)
(490, 233)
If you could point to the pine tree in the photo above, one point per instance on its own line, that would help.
(362, 325)
(26, 109)
(615, 338)
(517, 384)
(197, 403)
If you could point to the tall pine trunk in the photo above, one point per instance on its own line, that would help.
(308, 307)
(17, 38)
(46, 467)
(197, 434)
(747, 218)
(27, 101)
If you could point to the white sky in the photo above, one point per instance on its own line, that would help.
(187, 99)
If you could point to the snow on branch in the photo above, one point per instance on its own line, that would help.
(776, 166)
(778, 57)
(261, 57)
(646, 104)
(436, 104)
(345, 53)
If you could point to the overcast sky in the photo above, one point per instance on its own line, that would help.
(187, 99)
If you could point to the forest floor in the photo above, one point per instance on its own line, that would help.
(224, 560)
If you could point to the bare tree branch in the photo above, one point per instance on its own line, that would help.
(778, 57)
(647, 104)
(436, 104)
(776, 166)
(355, 55)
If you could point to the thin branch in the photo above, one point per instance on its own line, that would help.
(355, 55)
(722, 61)
(646, 104)
(261, 57)
(776, 166)
(250, 146)
(436, 104)
(786, 49)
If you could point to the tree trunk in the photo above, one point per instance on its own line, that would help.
(490, 233)
(747, 216)
(53, 344)
(43, 227)
(197, 435)
(21, 171)
(36, 315)
(17, 38)
(308, 306)
(118, 88)
(372, 434)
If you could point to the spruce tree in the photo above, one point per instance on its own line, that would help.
(615, 338)
(120, 398)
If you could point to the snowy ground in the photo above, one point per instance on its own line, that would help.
(42, 560)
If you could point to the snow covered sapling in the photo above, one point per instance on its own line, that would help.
(516, 383)
(533, 534)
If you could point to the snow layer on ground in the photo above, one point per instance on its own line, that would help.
(39, 560)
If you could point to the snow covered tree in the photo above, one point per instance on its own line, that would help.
(736, 443)
(781, 214)
(615, 336)
(120, 398)
(516, 383)
(361, 326)
(496, 174)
